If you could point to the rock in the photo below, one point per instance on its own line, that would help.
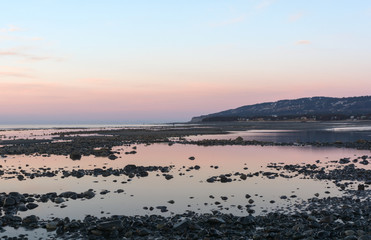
(361, 187)
(22, 207)
(344, 161)
(20, 177)
(365, 237)
(104, 192)
(110, 225)
(327, 219)
(181, 225)
(31, 206)
(216, 220)
(192, 158)
(160, 226)
(322, 234)
(9, 201)
(67, 194)
(349, 233)
(210, 180)
(30, 219)
(246, 220)
(60, 230)
(89, 194)
(162, 208)
(143, 174)
(51, 226)
(364, 162)
(143, 232)
(351, 238)
(171, 201)
(112, 157)
(96, 232)
(247, 196)
(58, 200)
(75, 156)
(224, 179)
(130, 168)
(168, 176)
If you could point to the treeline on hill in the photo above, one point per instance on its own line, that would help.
(322, 117)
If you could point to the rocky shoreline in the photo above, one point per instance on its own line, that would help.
(347, 217)
(102, 146)
(332, 217)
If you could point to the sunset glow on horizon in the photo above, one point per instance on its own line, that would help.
(163, 61)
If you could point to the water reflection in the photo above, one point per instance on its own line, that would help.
(323, 135)
(189, 191)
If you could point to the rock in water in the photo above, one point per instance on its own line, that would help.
(75, 156)
(31, 205)
(112, 157)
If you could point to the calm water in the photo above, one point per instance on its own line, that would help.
(345, 132)
(189, 191)
(46, 131)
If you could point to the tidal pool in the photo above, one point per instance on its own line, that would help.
(188, 189)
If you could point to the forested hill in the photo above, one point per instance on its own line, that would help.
(316, 108)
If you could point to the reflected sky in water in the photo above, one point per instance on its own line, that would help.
(189, 191)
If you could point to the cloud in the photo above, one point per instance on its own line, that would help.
(6, 71)
(303, 42)
(295, 17)
(18, 53)
(10, 28)
(14, 74)
(264, 4)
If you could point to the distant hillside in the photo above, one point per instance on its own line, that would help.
(315, 108)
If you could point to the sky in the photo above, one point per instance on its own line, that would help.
(145, 61)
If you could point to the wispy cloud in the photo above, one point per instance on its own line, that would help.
(14, 74)
(296, 17)
(229, 21)
(303, 42)
(6, 71)
(264, 4)
(27, 56)
(10, 28)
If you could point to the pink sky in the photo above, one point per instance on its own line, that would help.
(129, 63)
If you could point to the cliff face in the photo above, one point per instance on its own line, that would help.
(315, 106)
